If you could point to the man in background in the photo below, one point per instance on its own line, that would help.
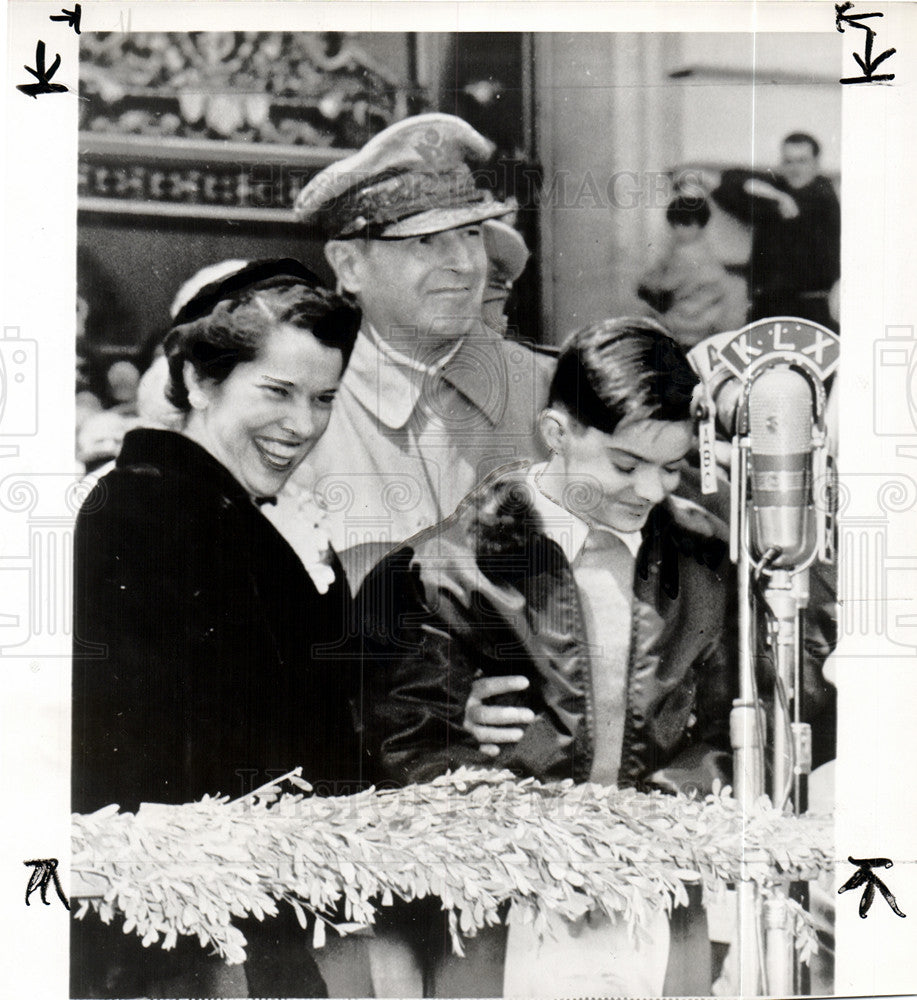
(795, 218)
(507, 256)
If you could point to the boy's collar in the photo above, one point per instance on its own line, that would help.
(565, 528)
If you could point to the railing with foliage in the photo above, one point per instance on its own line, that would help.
(474, 839)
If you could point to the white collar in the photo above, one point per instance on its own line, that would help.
(403, 360)
(387, 381)
(566, 529)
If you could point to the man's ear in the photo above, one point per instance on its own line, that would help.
(345, 257)
(556, 426)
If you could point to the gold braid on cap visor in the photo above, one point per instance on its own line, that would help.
(392, 199)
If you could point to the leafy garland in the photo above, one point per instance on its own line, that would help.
(475, 839)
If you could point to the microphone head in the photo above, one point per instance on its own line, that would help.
(780, 413)
(780, 421)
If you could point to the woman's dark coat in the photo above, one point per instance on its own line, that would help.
(205, 661)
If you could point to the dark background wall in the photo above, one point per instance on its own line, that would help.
(146, 259)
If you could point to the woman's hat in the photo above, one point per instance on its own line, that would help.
(257, 272)
(206, 276)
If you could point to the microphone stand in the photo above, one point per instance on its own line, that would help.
(745, 722)
(766, 955)
(783, 597)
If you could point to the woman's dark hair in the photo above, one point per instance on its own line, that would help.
(226, 322)
(684, 210)
(622, 369)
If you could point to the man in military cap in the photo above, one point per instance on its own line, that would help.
(433, 399)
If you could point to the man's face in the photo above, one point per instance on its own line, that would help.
(617, 479)
(431, 284)
(799, 164)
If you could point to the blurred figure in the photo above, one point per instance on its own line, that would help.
(507, 256)
(100, 437)
(103, 333)
(106, 378)
(693, 292)
(100, 429)
(87, 404)
(796, 232)
(121, 380)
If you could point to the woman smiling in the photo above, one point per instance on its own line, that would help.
(206, 660)
(261, 419)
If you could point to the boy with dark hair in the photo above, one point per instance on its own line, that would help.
(586, 576)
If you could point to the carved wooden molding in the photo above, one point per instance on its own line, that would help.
(225, 124)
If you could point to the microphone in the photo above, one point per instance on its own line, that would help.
(766, 384)
(780, 422)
